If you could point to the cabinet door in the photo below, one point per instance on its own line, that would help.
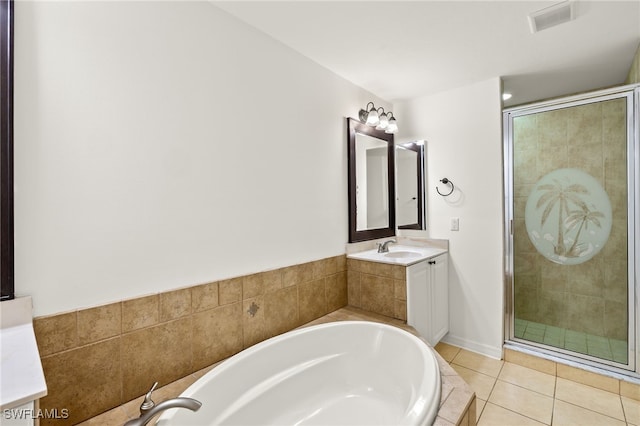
(440, 293)
(419, 298)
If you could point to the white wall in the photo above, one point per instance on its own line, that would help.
(462, 129)
(166, 144)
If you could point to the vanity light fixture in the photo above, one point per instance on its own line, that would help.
(378, 118)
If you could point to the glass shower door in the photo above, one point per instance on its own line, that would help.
(569, 180)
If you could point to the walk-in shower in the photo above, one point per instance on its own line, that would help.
(571, 208)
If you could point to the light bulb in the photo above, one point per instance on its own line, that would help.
(372, 118)
(392, 127)
(384, 122)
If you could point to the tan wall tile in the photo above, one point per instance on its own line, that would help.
(383, 269)
(116, 416)
(99, 323)
(204, 296)
(400, 289)
(217, 334)
(281, 310)
(330, 266)
(252, 286)
(157, 354)
(297, 274)
(399, 272)
(353, 265)
(400, 309)
(353, 288)
(615, 320)
(253, 326)
(336, 288)
(272, 280)
(86, 381)
(56, 333)
(368, 267)
(312, 300)
(317, 269)
(175, 304)
(139, 313)
(230, 291)
(168, 335)
(377, 294)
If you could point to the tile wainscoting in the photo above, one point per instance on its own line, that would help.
(98, 358)
(457, 400)
(378, 287)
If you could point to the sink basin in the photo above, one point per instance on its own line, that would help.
(398, 254)
(402, 254)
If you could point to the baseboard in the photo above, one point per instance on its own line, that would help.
(481, 348)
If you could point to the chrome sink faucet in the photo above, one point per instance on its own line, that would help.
(148, 408)
(383, 247)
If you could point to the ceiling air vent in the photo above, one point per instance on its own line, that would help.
(551, 16)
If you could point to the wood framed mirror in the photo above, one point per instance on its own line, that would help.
(6, 150)
(371, 168)
(410, 206)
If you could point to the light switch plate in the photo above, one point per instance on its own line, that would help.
(455, 224)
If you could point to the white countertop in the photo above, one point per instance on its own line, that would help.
(398, 254)
(21, 375)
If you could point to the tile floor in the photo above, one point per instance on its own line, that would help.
(590, 344)
(509, 394)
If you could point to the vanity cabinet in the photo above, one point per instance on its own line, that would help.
(428, 297)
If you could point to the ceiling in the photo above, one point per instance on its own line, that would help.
(404, 49)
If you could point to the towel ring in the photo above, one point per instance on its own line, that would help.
(446, 182)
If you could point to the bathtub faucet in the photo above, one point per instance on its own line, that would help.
(382, 247)
(148, 408)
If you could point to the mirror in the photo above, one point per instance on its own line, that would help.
(410, 206)
(371, 182)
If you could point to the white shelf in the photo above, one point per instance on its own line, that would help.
(21, 375)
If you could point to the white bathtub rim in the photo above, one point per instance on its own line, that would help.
(425, 417)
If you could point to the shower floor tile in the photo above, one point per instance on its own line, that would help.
(575, 341)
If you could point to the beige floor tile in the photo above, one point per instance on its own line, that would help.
(493, 415)
(565, 414)
(603, 402)
(528, 403)
(480, 383)
(530, 361)
(448, 352)
(630, 390)
(480, 403)
(528, 378)
(480, 363)
(588, 378)
(631, 410)
(439, 421)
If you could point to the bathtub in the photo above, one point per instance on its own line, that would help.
(340, 373)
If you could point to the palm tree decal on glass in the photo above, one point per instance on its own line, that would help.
(583, 217)
(568, 216)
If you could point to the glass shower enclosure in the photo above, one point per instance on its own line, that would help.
(571, 208)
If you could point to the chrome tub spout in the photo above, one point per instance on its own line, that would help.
(150, 409)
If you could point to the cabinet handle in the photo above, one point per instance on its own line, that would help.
(432, 262)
